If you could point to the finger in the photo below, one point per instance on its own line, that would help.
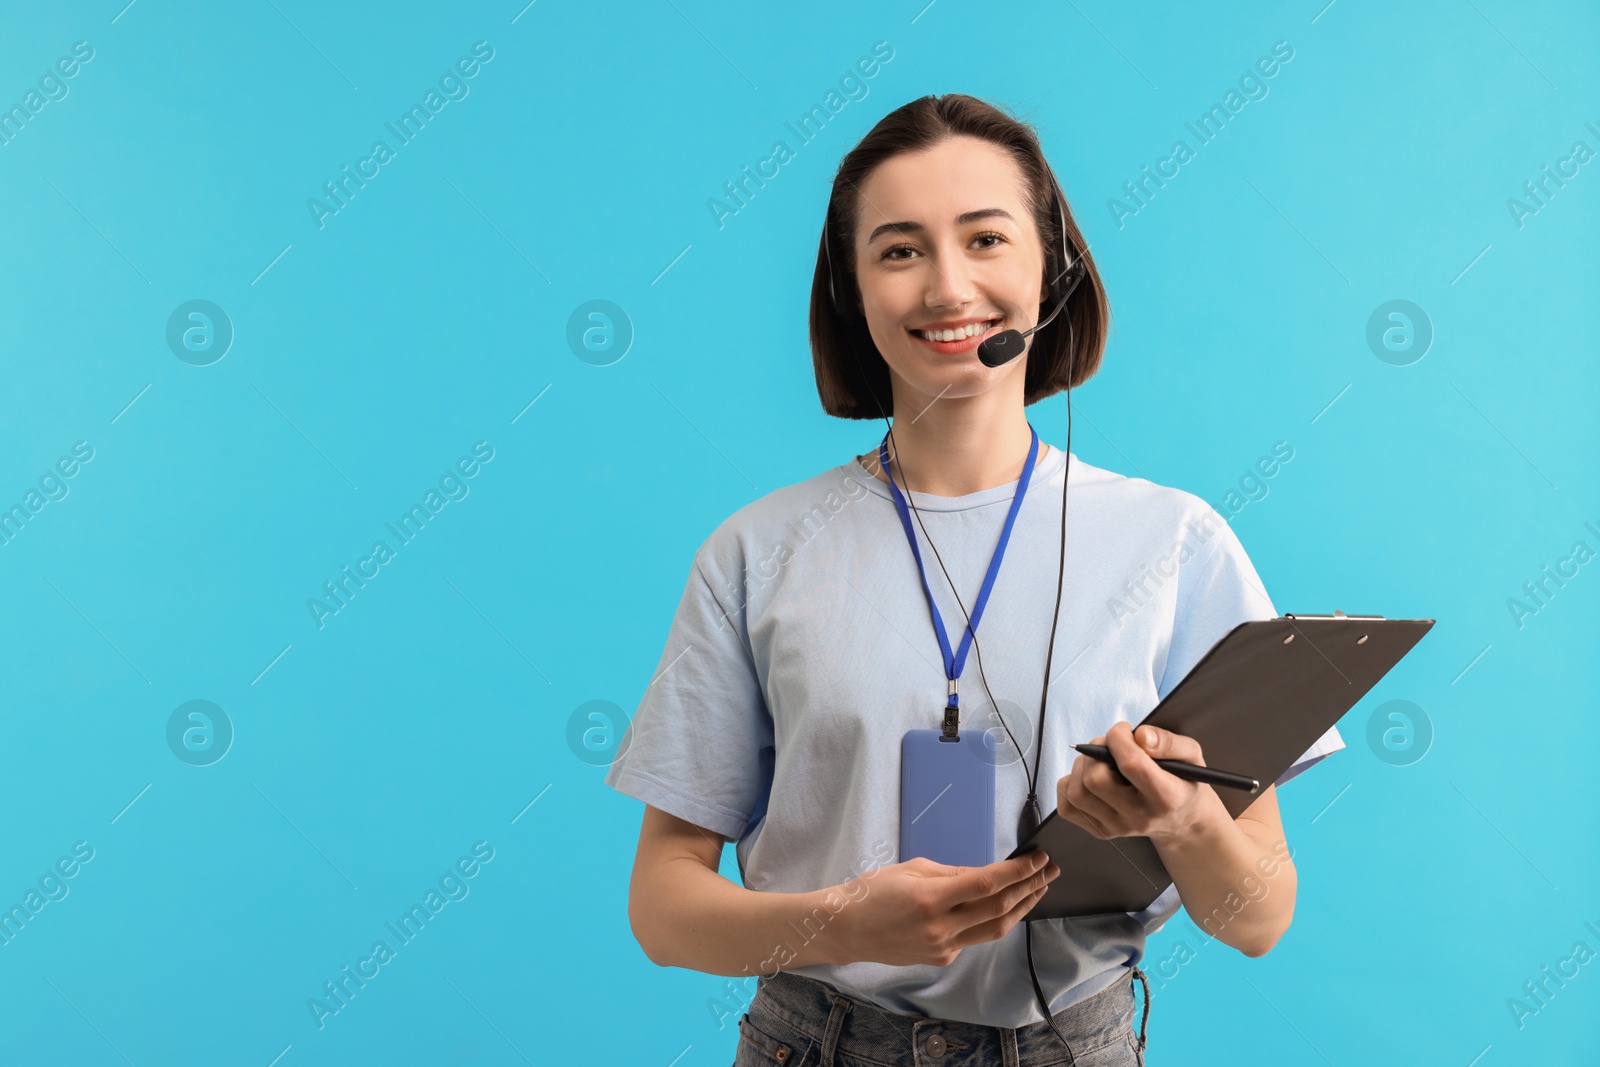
(1103, 819)
(1077, 803)
(997, 927)
(1120, 796)
(998, 904)
(1087, 770)
(1164, 744)
(1082, 807)
(1107, 782)
(1018, 866)
(1101, 776)
(1160, 790)
(1136, 762)
(976, 883)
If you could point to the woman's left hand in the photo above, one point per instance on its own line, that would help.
(1149, 802)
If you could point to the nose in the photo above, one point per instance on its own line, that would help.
(949, 282)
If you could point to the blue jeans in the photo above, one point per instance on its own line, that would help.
(796, 1021)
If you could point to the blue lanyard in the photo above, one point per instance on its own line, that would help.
(954, 662)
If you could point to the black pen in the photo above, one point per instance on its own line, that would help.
(1189, 772)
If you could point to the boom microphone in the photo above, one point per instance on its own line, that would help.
(1007, 345)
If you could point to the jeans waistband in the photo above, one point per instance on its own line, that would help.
(797, 1011)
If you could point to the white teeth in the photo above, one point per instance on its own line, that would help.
(970, 330)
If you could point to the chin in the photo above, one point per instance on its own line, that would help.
(958, 384)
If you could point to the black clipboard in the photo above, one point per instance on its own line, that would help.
(1256, 701)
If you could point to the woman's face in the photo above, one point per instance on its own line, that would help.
(944, 242)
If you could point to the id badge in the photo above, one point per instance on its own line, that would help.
(947, 797)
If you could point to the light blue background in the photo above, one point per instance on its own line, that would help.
(432, 310)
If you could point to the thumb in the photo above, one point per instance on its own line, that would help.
(1153, 740)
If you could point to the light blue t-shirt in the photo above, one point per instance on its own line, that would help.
(803, 650)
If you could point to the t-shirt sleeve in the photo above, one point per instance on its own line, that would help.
(700, 744)
(1325, 746)
(1215, 593)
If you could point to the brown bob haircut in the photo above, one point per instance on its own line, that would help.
(850, 371)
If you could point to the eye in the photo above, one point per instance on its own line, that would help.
(986, 240)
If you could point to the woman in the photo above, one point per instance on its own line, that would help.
(804, 649)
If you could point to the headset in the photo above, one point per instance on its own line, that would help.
(1067, 270)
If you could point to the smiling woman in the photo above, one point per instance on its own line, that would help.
(786, 712)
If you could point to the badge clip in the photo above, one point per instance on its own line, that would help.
(952, 716)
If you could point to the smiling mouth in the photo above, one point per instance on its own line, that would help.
(958, 342)
(972, 329)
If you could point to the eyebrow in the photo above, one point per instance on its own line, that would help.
(961, 220)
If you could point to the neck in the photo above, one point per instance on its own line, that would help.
(953, 447)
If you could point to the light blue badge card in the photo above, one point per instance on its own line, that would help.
(947, 797)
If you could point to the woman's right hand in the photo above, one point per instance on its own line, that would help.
(921, 911)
